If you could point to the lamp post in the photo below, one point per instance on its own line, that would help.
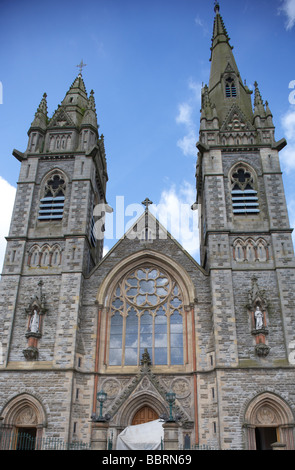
(101, 397)
(170, 397)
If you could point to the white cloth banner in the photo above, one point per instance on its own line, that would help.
(145, 436)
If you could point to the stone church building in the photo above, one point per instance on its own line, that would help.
(147, 319)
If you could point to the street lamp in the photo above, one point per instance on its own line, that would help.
(170, 397)
(101, 397)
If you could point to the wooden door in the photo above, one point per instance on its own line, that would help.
(144, 415)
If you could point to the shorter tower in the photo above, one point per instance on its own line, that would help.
(51, 241)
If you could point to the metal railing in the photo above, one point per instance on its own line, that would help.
(13, 440)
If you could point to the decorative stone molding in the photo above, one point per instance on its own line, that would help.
(262, 350)
(137, 388)
(31, 353)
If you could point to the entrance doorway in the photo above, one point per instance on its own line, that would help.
(265, 437)
(26, 438)
(144, 415)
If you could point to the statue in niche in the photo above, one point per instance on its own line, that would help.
(34, 323)
(35, 311)
(258, 315)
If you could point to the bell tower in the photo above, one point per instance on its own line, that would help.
(52, 238)
(245, 235)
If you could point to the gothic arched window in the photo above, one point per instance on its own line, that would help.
(230, 88)
(52, 203)
(146, 313)
(244, 194)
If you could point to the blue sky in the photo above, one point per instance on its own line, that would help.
(146, 62)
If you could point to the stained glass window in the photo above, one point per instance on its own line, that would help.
(146, 313)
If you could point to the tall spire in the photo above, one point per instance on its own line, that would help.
(221, 50)
(219, 31)
(223, 68)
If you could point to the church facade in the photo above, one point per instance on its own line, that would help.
(147, 319)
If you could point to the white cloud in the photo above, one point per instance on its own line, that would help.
(175, 214)
(288, 153)
(188, 143)
(201, 24)
(187, 116)
(7, 194)
(288, 8)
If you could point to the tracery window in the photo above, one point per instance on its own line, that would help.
(52, 203)
(244, 195)
(146, 313)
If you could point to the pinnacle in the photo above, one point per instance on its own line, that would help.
(258, 102)
(42, 108)
(40, 118)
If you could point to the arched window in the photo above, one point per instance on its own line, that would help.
(244, 194)
(44, 258)
(239, 250)
(262, 250)
(52, 203)
(230, 88)
(146, 313)
(34, 256)
(55, 256)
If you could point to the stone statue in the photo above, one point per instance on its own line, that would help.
(258, 318)
(34, 325)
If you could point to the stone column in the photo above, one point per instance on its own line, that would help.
(99, 435)
(170, 436)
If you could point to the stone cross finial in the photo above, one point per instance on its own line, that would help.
(80, 66)
(146, 203)
(216, 6)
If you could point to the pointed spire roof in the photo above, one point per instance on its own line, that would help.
(223, 67)
(219, 30)
(40, 119)
(221, 51)
(76, 101)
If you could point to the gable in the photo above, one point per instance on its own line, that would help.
(236, 121)
(60, 119)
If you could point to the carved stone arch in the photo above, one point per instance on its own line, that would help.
(262, 250)
(44, 255)
(151, 257)
(24, 410)
(134, 403)
(248, 168)
(34, 256)
(250, 250)
(50, 174)
(55, 255)
(239, 250)
(268, 410)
